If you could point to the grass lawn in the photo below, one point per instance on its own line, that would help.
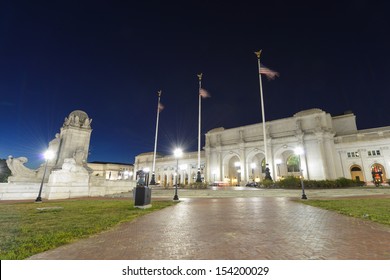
(374, 209)
(26, 231)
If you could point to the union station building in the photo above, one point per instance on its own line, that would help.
(331, 147)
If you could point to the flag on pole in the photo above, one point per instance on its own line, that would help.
(203, 93)
(268, 72)
(160, 107)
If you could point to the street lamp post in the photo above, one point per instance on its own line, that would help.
(299, 151)
(48, 156)
(177, 153)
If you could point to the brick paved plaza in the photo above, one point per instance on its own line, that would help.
(268, 225)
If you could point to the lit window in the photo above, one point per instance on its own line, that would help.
(353, 154)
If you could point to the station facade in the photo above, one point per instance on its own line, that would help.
(330, 147)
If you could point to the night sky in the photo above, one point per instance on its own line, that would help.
(109, 59)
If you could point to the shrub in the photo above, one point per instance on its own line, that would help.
(343, 182)
(294, 183)
(196, 185)
(267, 183)
(289, 182)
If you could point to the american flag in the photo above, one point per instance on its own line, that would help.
(204, 93)
(268, 72)
(160, 107)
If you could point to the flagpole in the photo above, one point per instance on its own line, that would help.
(153, 180)
(267, 172)
(198, 176)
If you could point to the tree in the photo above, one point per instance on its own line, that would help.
(4, 171)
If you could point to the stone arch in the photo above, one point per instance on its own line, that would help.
(280, 159)
(256, 165)
(356, 173)
(283, 168)
(165, 180)
(378, 173)
(171, 179)
(231, 172)
(158, 181)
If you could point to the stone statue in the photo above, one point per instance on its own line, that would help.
(78, 156)
(141, 180)
(70, 165)
(77, 120)
(87, 123)
(241, 136)
(19, 171)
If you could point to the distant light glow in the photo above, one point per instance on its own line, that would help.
(299, 151)
(48, 155)
(253, 165)
(146, 169)
(237, 164)
(178, 152)
(183, 166)
(278, 161)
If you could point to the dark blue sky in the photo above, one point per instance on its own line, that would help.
(109, 58)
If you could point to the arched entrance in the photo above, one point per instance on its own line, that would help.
(232, 170)
(378, 173)
(286, 163)
(356, 173)
(256, 167)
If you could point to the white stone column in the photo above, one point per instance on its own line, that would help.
(243, 166)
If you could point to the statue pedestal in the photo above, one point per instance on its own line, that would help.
(69, 182)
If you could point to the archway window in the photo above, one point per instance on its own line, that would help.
(293, 163)
(356, 173)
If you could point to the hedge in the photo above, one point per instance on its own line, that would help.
(295, 183)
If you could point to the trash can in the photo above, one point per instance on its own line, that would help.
(142, 197)
(142, 193)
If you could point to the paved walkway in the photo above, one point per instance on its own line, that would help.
(235, 228)
(258, 192)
